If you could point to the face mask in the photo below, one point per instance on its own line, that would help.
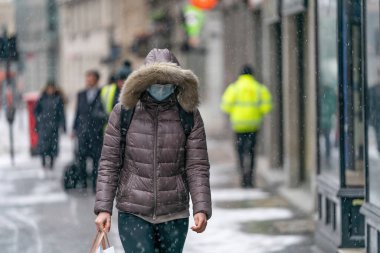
(160, 92)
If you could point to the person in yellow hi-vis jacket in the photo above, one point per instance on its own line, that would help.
(110, 93)
(247, 102)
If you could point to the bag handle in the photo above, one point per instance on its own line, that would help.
(94, 242)
(106, 241)
(101, 238)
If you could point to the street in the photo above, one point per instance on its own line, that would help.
(38, 216)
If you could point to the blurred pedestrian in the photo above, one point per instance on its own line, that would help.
(126, 68)
(111, 79)
(90, 118)
(110, 93)
(155, 159)
(247, 102)
(50, 116)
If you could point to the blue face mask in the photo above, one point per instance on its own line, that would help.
(160, 92)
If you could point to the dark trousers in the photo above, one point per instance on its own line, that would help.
(140, 236)
(82, 163)
(51, 157)
(245, 144)
(88, 147)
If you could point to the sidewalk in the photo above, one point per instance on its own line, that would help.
(39, 216)
(263, 221)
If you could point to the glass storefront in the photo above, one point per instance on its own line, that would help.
(373, 98)
(353, 90)
(328, 88)
(341, 121)
(341, 128)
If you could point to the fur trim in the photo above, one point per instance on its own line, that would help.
(162, 73)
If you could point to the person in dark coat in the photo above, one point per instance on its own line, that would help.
(89, 122)
(50, 116)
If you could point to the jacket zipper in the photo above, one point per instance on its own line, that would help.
(154, 164)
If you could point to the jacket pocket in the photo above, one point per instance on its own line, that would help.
(125, 185)
(183, 194)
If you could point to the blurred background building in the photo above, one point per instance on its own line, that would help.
(97, 34)
(37, 29)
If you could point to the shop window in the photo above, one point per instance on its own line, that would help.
(328, 123)
(354, 141)
(373, 99)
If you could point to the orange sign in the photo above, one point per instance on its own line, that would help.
(204, 4)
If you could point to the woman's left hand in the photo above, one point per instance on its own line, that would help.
(200, 220)
(103, 222)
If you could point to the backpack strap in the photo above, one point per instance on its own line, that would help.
(187, 120)
(125, 121)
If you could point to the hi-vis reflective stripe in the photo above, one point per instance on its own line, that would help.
(243, 123)
(248, 104)
(243, 104)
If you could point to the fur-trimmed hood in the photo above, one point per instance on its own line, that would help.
(161, 67)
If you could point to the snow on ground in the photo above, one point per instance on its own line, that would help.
(223, 234)
(236, 194)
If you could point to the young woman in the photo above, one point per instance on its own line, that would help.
(50, 116)
(163, 164)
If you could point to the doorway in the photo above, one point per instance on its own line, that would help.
(277, 131)
(294, 104)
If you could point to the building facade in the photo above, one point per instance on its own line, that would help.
(97, 34)
(320, 60)
(38, 43)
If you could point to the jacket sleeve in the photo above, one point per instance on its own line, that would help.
(266, 100)
(228, 99)
(198, 168)
(108, 174)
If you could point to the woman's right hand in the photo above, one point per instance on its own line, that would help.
(103, 222)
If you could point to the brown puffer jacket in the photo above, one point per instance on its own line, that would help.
(161, 165)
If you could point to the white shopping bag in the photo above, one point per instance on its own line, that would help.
(101, 244)
(108, 250)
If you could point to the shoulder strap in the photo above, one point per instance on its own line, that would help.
(125, 121)
(187, 120)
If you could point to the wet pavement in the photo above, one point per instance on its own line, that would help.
(38, 216)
